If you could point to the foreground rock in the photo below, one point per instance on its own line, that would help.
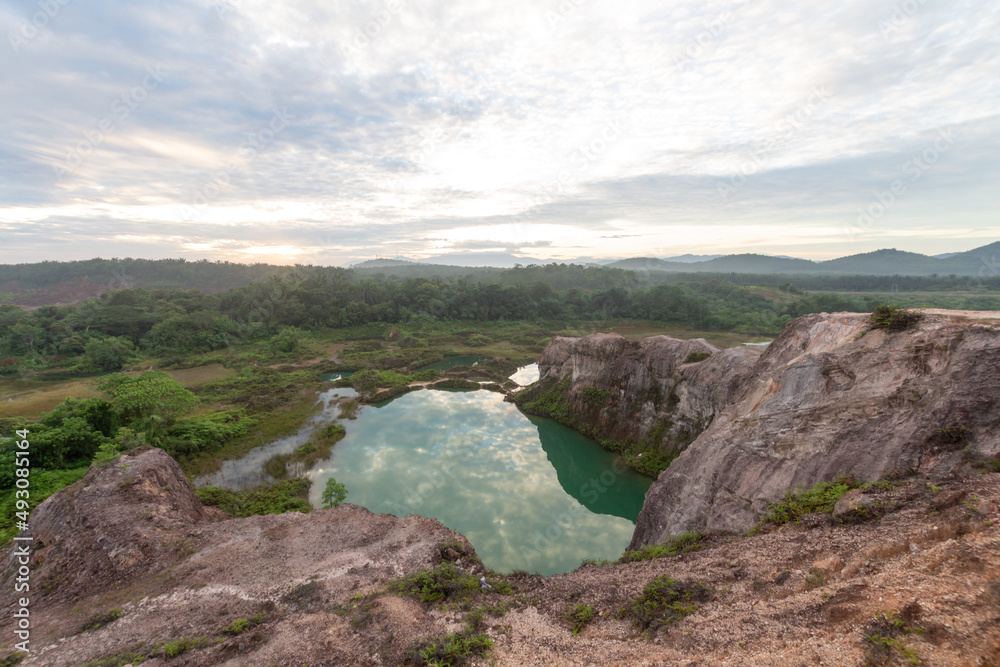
(790, 597)
(828, 399)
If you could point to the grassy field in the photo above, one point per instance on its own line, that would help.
(31, 397)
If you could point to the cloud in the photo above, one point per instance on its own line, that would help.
(416, 127)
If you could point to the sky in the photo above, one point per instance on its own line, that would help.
(334, 132)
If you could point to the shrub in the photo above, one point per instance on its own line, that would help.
(664, 601)
(99, 620)
(819, 498)
(883, 638)
(453, 650)
(444, 583)
(287, 496)
(594, 397)
(683, 543)
(579, 616)
(892, 319)
(695, 357)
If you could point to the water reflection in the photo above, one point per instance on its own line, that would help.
(248, 471)
(525, 375)
(481, 467)
(448, 363)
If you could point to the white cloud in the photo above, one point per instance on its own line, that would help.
(424, 125)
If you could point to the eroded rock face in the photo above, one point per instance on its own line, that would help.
(635, 390)
(828, 399)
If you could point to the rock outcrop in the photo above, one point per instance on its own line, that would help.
(662, 390)
(831, 398)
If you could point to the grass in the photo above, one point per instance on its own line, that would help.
(28, 397)
(100, 619)
(579, 616)
(695, 357)
(664, 601)
(288, 496)
(684, 543)
(241, 625)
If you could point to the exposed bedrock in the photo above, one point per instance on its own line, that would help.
(662, 390)
(825, 399)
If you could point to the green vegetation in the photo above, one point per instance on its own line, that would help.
(552, 399)
(664, 601)
(99, 620)
(695, 357)
(819, 498)
(579, 616)
(595, 397)
(241, 625)
(452, 650)
(892, 319)
(883, 638)
(308, 454)
(43, 484)
(684, 543)
(333, 494)
(288, 496)
(443, 584)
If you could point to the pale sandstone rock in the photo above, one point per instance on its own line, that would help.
(828, 399)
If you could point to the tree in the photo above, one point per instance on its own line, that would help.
(109, 354)
(334, 493)
(151, 401)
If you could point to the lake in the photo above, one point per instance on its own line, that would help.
(528, 493)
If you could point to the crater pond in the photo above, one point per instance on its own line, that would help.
(528, 493)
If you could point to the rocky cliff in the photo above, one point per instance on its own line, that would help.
(829, 398)
(661, 391)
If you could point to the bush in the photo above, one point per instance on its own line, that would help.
(288, 496)
(109, 354)
(478, 340)
(685, 542)
(819, 498)
(695, 357)
(596, 398)
(664, 601)
(445, 583)
(453, 650)
(579, 616)
(892, 319)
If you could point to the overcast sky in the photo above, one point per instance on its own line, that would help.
(333, 132)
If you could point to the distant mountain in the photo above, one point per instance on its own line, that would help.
(497, 259)
(983, 261)
(885, 262)
(687, 258)
(746, 263)
(945, 255)
(381, 262)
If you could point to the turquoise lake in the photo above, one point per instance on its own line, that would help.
(528, 493)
